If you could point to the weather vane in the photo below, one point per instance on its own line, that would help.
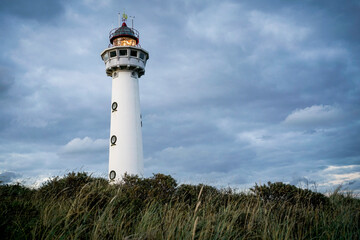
(123, 18)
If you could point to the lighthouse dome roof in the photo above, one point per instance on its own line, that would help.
(124, 31)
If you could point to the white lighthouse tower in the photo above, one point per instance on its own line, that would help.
(125, 62)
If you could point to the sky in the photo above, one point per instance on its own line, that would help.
(235, 92)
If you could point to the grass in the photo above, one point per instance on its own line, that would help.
(79, 206)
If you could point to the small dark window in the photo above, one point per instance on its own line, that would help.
(113, 139)
(112, 175)
(114, 106)
(113, 54)
(133, 53)
(142, 55)
(123, 52)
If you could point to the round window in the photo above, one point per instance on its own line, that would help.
(114, 106)
(113, 139)
(112, 175)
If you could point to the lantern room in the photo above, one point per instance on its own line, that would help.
(124, 36)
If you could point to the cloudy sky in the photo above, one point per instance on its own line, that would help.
(235, 92)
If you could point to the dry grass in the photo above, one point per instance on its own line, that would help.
(89, 208)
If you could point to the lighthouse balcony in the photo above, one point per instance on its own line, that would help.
(125, 58)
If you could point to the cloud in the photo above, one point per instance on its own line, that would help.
(327, 53)
(85, 145)
(26, 161)
(224, 28)
(7, 177)
(277, 30)
(40, 10)
(6, 81)
(347, 176)
(302, 182)
(344, 178)
(316, 116)
(342, 174)
(340, 168)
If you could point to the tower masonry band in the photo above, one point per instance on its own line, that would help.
(125, 62)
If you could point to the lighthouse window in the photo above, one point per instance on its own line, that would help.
(113, 139)
(112, 175)
(142, 55)
(123, 52)
(133, 53)
(114, 106)
(113, 54)
(105, 57)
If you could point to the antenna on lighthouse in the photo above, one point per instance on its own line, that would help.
(132, 21)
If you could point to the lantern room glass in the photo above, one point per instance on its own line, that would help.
(124, 41)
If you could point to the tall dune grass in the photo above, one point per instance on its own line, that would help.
(82, 207)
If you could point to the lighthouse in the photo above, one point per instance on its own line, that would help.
(125, 63)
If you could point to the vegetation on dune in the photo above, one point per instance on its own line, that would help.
(79, 206)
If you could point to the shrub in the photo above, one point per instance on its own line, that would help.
(16, 209)
(286, 193)
(189, 193)
(68, 186)
(15, 190)
(162, 187)
(159, 187)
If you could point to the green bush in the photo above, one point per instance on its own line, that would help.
(16, 190)
(68, 186)
(17, 212)
(159, 187)
(189, 193)
(285, 193)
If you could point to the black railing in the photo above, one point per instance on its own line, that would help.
(112, 45)
(131, 32)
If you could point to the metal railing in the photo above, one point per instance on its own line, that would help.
(132, 32)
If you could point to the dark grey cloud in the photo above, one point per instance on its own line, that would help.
(7, 177)
(6, 81)
(40, 10)
(352, 188)
(303, 182)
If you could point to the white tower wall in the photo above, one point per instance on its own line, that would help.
(126, 155)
